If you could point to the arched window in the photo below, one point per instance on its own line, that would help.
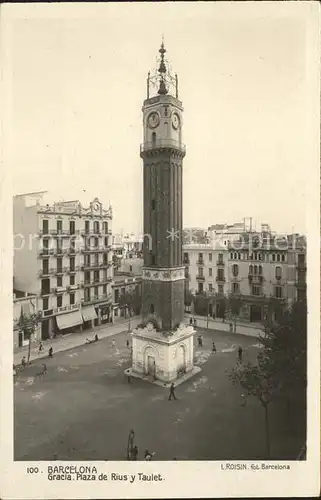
(255, 269)
(251, 269)
(154, 139)
(278, 272)
(239, 256)
(273, 257)
(235, 256)
(283, 258)
(278, 257)
(260, 269)
(231, 256)
(235, 269)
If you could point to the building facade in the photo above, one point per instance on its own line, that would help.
(26, 304)
(255, 267)
(63, 256)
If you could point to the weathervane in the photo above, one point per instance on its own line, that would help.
(162, 82)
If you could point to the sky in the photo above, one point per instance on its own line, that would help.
(78, 82)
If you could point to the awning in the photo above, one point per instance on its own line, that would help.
(88, 313)
(68, 320)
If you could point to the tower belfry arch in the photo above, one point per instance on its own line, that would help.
(162, 151)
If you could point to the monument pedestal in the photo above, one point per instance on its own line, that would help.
(163, 356)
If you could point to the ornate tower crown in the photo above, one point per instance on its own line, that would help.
(162, 82)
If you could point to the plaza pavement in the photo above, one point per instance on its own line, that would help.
(72, 340)
(84, 408)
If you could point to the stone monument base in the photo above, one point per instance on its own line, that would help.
(163, 357)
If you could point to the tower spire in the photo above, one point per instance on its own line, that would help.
(162, 70)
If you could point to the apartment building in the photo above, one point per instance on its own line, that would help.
(26, 304)
(255, 267)
(205, 267)
(63, 256)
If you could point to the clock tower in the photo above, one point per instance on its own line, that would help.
(162, 345)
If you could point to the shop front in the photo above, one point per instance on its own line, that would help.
(70, 322)
(89, 316)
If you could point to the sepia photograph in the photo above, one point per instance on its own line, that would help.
(160, 163)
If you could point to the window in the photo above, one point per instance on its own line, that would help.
(117, 295)
(59, 225)
(59, 265)
(45, 226)
(283, 257)
(153, 260)
(251, 269)
(260, 269)
(87, 294)
(87, 226)
(105, 257)
(72, 263)
(260, 256)
(45, 244)
(235, 270)
(238, 256)
(210, 257)
(153, 204)
(235, 287)
(72, 298)
(45, 304)
(106, 241)
(278, 292)
(96, 227)
(45, 266)
(210, 287)
(235, 256)
(220, 288)
(255, 269)
(96, 261)
(72, 279)
(123, 291)
(256, 290)
(301, 259)
(278, 272)
(220, 274)
(87, 277)
(96, 276)
(72, 228)
(273, 257)
(105, 289)
(200, 288)
(231, 256)
(151, 309)
(96, 291)
(105, 227)
(59, 280)
(200, 271)
(210, 271)
(278, 257)
(200, 258)
(220, 258)
(186, 261)
(130, 269)
(59, 301)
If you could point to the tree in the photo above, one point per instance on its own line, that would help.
(286, 345)
(280, 372)
(188, 299)
(234, 303)
(28, 324)
(131, 302)
(259, 381)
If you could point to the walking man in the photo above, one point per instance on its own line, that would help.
(129, 378)
(135, 453)
(40, 348)
(213, 347)
(23, 362)
(127, 343)
(191, 321)
(240, 352)
(50, 352)
(172, 392)
(194, 322)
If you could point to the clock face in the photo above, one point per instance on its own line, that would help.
(153, 120)
(175, 121)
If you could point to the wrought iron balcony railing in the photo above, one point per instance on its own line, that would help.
(162, 144)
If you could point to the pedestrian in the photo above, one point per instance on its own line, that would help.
(213, 347)
(23, 362)
(129, 377)
(134, 453)
(113, 343)
(127, 343)
(201, 340)
(191, 321)
(240, 353)
(172, 392)
(149, 456)
(195, 322)
(40, 348)
(44, 370)
(96, 337)
(50, 352)
(231, 327)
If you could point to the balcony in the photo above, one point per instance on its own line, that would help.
(162, 144)
(220, 263)
(46, 252)
(255, 279)
(97, 298)
(92, 266)
(200, 262)
(61, 233)
(220, 279)
(45, 292)
(44, 273)
(200, 277)
(186, 262)
(63, 309)
(59, 270)
(95, 249)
